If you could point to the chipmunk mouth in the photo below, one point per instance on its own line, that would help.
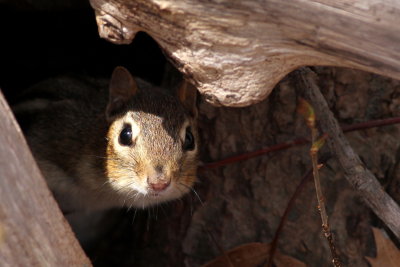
(160, 192)
(148, 197)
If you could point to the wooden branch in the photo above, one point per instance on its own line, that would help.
(33, 231)
(236, 51)
(363, 181)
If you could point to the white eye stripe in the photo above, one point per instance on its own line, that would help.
(134, 126)
(119, 125)
(135, 129)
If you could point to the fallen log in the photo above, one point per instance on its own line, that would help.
(235, 52)
(33, 231)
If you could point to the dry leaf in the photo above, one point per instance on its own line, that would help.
(252, 255)
(388, 255)
(282, 260)
(248, 255)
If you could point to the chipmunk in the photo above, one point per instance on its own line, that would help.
(133, 145)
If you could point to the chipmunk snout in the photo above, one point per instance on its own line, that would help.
(158, 182)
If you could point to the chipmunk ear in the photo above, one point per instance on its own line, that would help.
(187, 94)
(122, 88)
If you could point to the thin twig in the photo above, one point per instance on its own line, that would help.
(329, 236)
(284, 217)
(296, 142)
(288, 208)
(363, 181)
(308, 112)
(253, 154)
(317, 182)
(370, 124)
(321, 201)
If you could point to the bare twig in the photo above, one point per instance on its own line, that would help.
(296, 142)
(316, 143)
(321, 203)
(317, 183)
(363, 181)
(370, 124)
(289, 206)
(253, 154)
(282, 222)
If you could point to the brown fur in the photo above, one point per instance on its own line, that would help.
(72, 127)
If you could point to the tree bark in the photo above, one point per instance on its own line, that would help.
(235, 52)
(33, 231)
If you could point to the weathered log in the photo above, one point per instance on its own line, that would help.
(33, 231)
(236, 51)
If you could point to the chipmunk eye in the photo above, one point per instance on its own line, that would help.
(125, 137)
(189, 140)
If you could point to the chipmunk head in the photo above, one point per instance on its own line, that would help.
(152, 141)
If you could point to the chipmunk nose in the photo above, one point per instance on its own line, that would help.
(158, 182)
(160, 186)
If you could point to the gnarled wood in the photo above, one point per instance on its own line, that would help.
(33, 232)
(236, 51)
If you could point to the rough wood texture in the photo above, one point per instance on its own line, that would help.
(362, 179)
(33, 232)
(236, 51)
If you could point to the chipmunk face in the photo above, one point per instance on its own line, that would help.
(152, 142)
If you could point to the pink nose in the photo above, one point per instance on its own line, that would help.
(159, 185)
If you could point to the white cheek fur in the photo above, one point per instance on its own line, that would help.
(133, 190)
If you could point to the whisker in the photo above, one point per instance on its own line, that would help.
(149, 212)
(162, 208)
(129, 208)
(134, 196)
(102, 157)
(194, 191)
(191, 201)
(191, 205)
(106, 183)
(134, 216)
(156, 209)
